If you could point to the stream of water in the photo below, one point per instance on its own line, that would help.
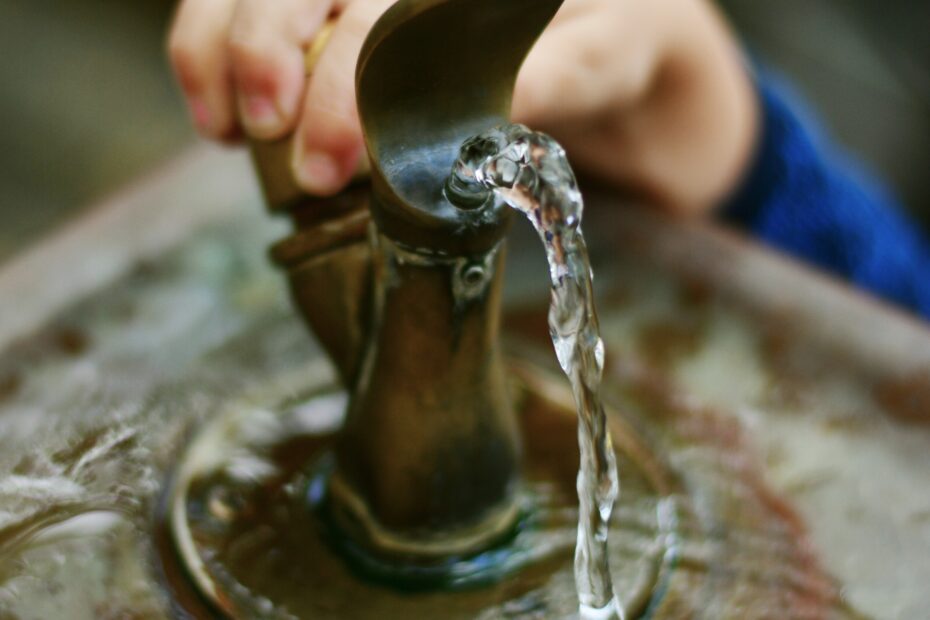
(529, 171)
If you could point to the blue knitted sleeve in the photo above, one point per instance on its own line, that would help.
(805, 197)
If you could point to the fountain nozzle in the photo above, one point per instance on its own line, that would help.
(427, 464)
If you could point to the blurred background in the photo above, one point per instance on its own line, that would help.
(88, 102)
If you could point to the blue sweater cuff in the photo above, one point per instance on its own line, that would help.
(803, 196)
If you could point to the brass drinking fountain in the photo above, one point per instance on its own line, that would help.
(409, 306)
(437, 480)
(403, 290)
(175, 446)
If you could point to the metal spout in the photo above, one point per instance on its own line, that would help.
(428, 463)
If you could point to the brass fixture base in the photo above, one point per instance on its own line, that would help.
(249, 520)
(360, 525)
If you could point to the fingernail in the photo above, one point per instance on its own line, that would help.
(260, 111)
(318, 171)
(201, 113)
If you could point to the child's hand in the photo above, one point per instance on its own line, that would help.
(650, 95)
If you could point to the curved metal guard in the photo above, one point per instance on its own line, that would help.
(431, 74)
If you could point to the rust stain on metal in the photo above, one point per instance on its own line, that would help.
(907, 399)
(9, 386)
(71, 341)
(662, 341)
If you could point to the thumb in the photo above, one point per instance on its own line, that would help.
(328, 144)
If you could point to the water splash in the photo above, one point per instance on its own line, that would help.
(529, 171)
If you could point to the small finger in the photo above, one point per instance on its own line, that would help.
(197, 51)
(266, 47)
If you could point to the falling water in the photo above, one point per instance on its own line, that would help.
(529, 171)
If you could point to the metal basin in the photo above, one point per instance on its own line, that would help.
(792, 414)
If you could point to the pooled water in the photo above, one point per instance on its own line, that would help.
(529, 171)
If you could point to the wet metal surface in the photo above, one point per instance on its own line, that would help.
(751, 379)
